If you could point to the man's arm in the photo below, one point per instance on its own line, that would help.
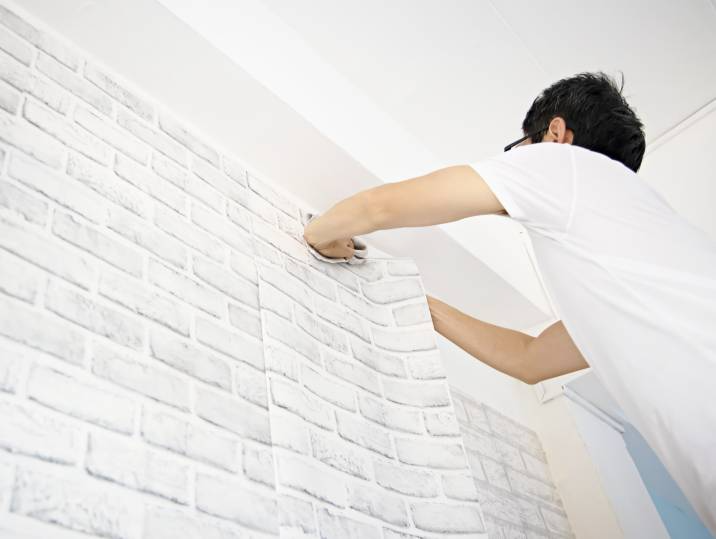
(529, 359)
(445, 195)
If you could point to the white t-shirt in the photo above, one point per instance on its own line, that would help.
(635, 286)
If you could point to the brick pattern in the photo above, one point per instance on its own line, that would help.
(514, 485)
(173, 362)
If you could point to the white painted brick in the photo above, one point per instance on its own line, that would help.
(18, 278)
(283, 331)
(157, 140)
(289, 432)
(171, 171)
(179, 133)
(446, 518)
(145, 180)
(334, 526)
(163, 522)
(94, 316)
(426, 366)
(556, 522)
(474, 459)
(9, 98)
(251, 384)
(480, 442)
(7, 478)
(337, 272)
(14, 361)
(234, 414)
(293, 399)
(476, 414)
(499, 503)
(70, 134)
(244, 265)
(267, 253)
(103, 181)
(295, 516)
(289, 285)
(70, 80)
(239, 215)
(378, 314)
(257, 206)
(412, 314)
(186, 289)
(381, 361)
(534, 466)
(406, 480)
(392, 534)
(88, 238)
(352, 371)
(377, 503)
(280, 240)
(532, 487)
(430, 454)
(22, 204)
(223, 280)
(339, 455)
(125, 369)
(138, 231)
(258, 464)
(31, 431)
(234, 501)
(179, 435)
(188, 233)
(184, 356)
(267, 191)
(323, 386)
(312, 479)
(459, 487)
(290, 225)
(234, 170)
(118, 91)
(144, 300)
(112, 135)
(85, 400)
(232, 343)
(423, 394)
(390, 415)
(517, 434)
(340, 316)
(247, 320)
(31, 140)
(136, 467)
(314, 279)
(442, 423)
(272, 299)
(392, 291)
(41, 331)
(323, 332)
(16, 47)
(371, 270)
(403, 340)
(495, 473)
(218, 180)
(75, 503)
(282, 360)
(402, 267)
(71, 195)
(218, 226)
(363, 433)
(510, 455)
(26, 81)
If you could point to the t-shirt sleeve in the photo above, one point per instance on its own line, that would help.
(534, 183)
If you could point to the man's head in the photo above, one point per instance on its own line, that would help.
(588, 110)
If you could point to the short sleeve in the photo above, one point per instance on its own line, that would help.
(535, 184)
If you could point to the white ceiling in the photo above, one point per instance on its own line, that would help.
(331, 97)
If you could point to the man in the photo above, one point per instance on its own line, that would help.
(633, 284)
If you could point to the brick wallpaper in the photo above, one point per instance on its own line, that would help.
(173, 362)
(514, 485)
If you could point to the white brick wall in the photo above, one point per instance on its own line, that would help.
(510, 471)
(173, 363)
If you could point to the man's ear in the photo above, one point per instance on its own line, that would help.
(559, 132)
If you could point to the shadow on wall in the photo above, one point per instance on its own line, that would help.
(173, 362)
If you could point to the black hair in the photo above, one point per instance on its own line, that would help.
(594, 108)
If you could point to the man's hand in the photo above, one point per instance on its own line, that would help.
(336, 249)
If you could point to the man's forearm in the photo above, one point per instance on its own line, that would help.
(501, 348)
(350, 217)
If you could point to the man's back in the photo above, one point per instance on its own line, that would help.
(634, 285)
